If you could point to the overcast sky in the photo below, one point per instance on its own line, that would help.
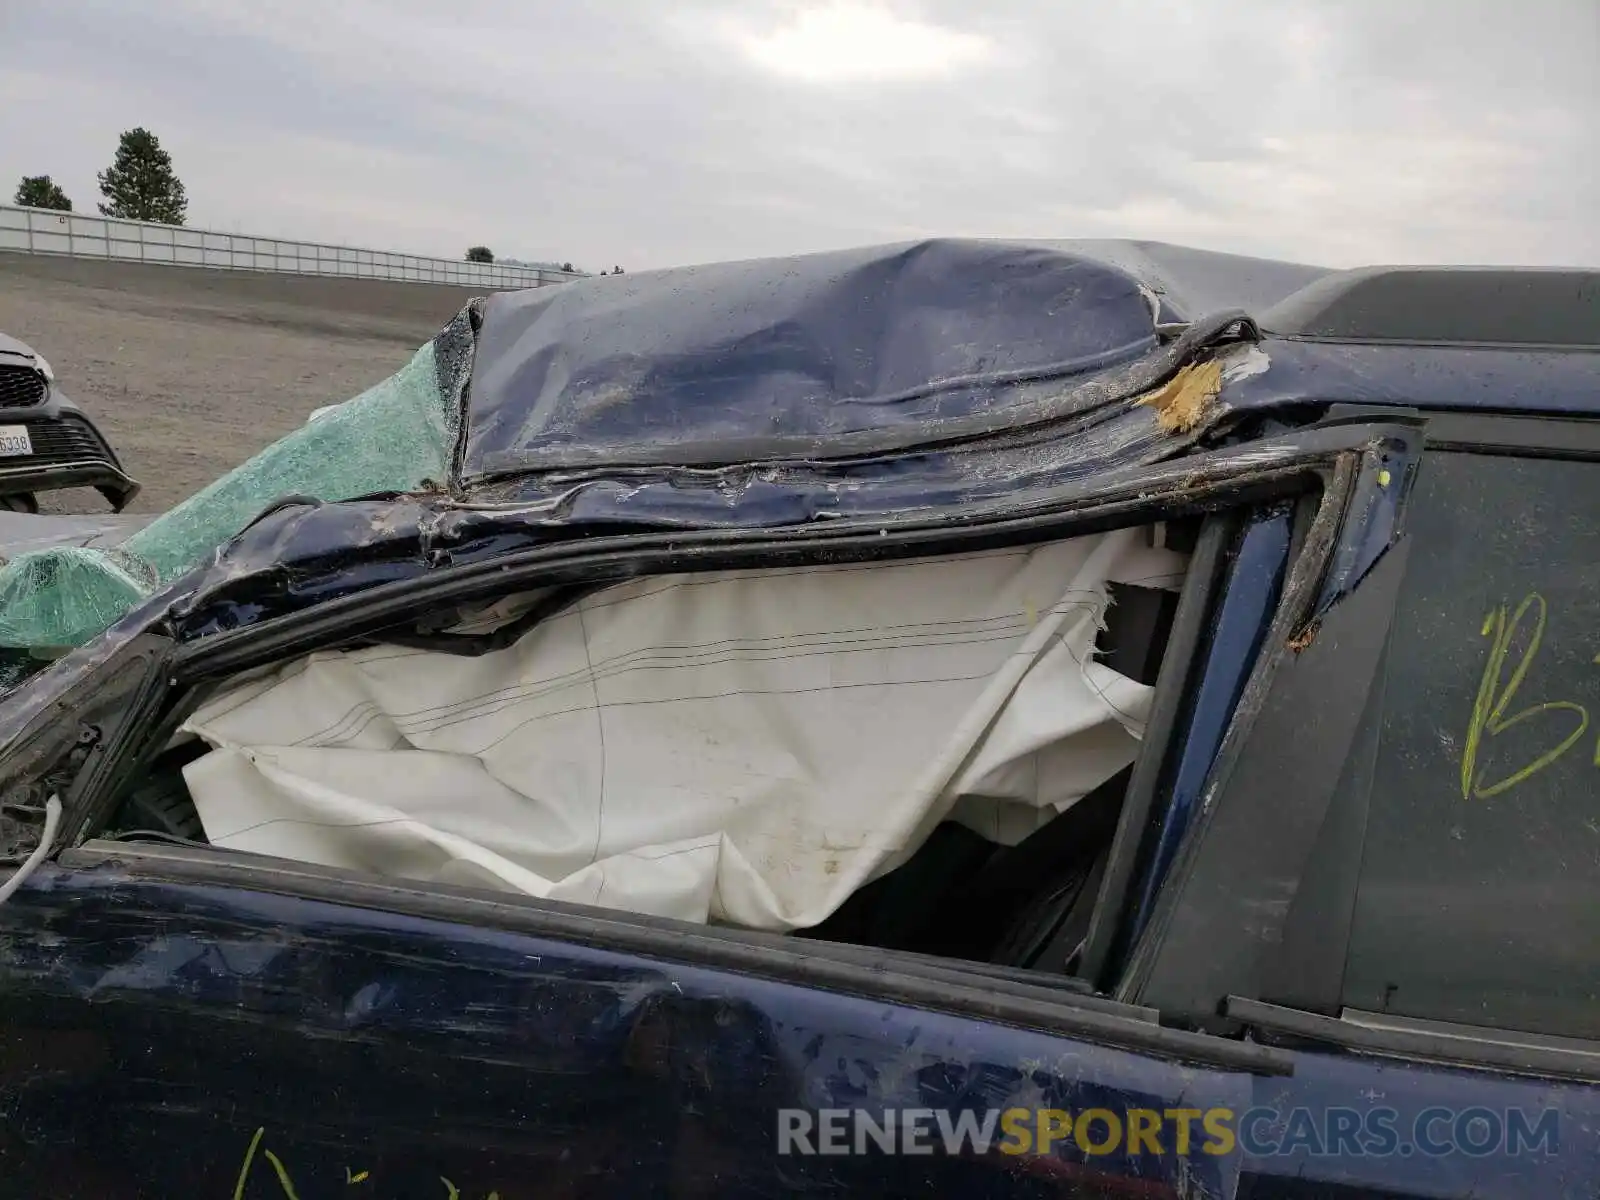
(656, 132)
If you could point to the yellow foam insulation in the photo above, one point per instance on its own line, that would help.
(1182, 401)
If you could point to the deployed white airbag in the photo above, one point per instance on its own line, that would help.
(747, 746)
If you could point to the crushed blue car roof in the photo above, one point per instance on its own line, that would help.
(879, 349)
(852, 351)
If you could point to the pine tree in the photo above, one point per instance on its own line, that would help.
(140, 183)
(40, 191)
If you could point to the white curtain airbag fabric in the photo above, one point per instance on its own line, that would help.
(746, 747)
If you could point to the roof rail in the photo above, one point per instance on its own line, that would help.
(1545, 308)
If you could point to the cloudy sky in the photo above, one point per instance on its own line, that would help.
(656, 132)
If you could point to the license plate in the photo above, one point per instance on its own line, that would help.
(14, 441)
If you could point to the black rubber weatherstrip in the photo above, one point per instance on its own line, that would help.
(863, 971)
(1485, 1049)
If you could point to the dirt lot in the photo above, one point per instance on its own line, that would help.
(189, 372)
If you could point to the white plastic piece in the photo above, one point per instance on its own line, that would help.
(47, 840)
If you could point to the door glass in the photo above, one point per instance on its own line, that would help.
(1479, 894)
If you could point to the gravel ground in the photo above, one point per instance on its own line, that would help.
(189, 372)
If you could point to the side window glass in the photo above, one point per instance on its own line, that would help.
(1479, 890)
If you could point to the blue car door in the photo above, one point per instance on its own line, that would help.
(170, 1038)
(1418, 916)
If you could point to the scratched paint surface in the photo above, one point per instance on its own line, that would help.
(151, 1031)
(201, 1042)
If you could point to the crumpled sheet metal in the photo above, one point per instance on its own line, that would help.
(796, 357)
(300, 556)
(1086, 393)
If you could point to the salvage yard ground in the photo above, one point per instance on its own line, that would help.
(189, 372)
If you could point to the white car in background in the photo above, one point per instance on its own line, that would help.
(46, 441)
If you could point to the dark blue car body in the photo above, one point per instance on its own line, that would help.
(186, 1021)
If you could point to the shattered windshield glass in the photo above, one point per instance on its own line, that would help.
(394, 437)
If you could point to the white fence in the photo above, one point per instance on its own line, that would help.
(44, 231)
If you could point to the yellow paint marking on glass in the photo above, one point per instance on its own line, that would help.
(1489, 709)
(284, 1181)
(249, 1161)
(287, 1184)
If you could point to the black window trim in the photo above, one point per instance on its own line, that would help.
(1514, 434)
(1447, 1043)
